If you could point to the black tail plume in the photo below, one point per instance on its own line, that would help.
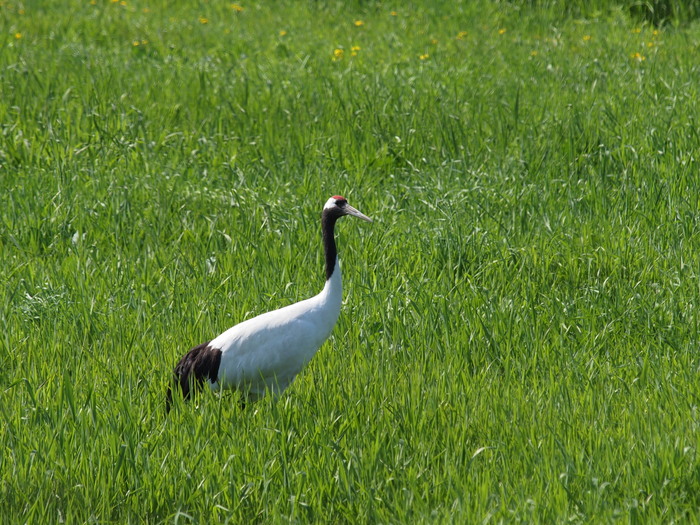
(198, 365)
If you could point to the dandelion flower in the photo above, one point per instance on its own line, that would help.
(203, 20)
(586, 38)
(359, 23)
(650, 44)
(18, 36)
(237, 8)
(638, 57)
(424, 56)
(502, 31)
(283, 33)
(533, 53)
(461, 35)
(394, 13)
(637, 30)
(136, 43)
(338, 54)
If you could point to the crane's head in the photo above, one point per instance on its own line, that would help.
(338, 206)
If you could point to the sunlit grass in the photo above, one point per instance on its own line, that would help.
(519, 335)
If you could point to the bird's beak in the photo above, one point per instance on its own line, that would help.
(349, 210)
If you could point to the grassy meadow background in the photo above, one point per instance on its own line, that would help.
(519, 339)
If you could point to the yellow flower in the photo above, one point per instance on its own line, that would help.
(502, 31)
(637, 30)
(638, 57)
(18, 35)
(650, 44)
(655, 32)
(144, 42)
(355, 48)
(283, 33)
(533, 53)
(122, 3)
(586, 38)
(434, 41)
(136, 43)
(146, 10)
(203, 20)
(394, 13)
(93, 2)
(338, 54)
(461, 35)
(424, 56)
(237, 8)
(359, 23)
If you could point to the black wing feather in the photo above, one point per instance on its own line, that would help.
(196, 366)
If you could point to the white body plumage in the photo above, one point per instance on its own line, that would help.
(266, 352)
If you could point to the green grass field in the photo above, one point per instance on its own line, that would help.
(519, 340)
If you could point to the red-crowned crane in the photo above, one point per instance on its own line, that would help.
(266, 352)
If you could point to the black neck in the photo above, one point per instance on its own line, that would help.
(328, 226)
